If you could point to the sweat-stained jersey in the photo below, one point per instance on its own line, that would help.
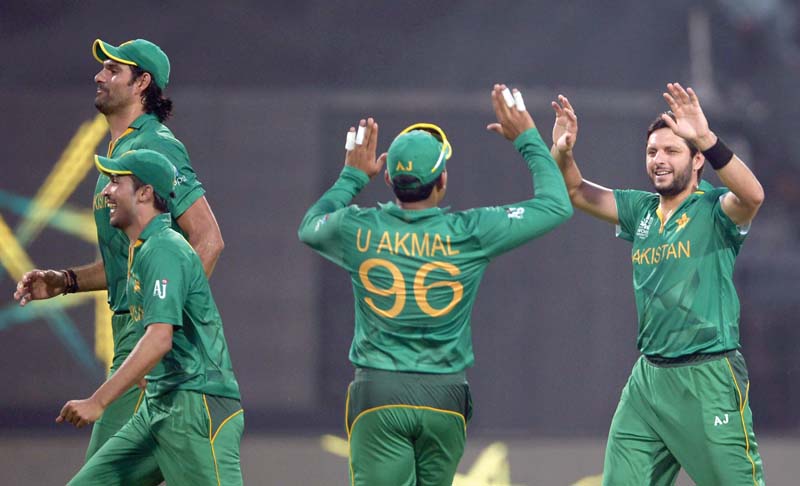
(167, 284)
(415, 273)
(682, 272)
(146, 132)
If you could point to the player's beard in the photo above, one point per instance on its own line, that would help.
(108, 103)
(679, 182)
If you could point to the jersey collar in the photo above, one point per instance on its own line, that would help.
(142, 120)
(411, 214)
(158, 223)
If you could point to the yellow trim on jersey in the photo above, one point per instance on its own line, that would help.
(113, 143)
(99, 43)
(139, 401)
(660, 219)
(743, 403)
(130, 254)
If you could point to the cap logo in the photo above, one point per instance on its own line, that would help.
(404, 168)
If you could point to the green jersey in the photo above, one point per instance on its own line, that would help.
(682, 272)
(415, 273)
(146, 132)
(167, 285)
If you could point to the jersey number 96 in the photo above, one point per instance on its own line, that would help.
(420, 290)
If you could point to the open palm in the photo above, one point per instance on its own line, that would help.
(565, 128)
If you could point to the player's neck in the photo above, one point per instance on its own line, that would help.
(416, 206)
(120, 120)
(142, 219)
(668, 204)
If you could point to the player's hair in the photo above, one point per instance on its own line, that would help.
(659, 123)
(154, 100)
(158, 202)
(407, 191)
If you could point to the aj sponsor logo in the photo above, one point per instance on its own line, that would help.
(515, 213)
(160, 289)
(720, 420)
(320, 222)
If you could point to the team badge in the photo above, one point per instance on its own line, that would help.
(682, 221)
(644, 227)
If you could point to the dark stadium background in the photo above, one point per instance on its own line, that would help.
(264, 93)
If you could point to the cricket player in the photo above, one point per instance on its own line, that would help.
(190, 421)
(130, 94)
(415, 270)
(686, 401)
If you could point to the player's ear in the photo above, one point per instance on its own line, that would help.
(144, 81)
(145, 193)
(442, 183)
(386, 178)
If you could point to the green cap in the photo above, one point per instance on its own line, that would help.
(148, 166)
(139, 52)
(419, 153)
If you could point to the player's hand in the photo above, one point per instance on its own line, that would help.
(80, 412)
(691, 123)
(362, 155)
(511, 120)
(40, 284)
(565, 128)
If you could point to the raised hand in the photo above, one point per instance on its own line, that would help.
(511, 120)
(565, 128)
(690, 122)
(362, 155)
(40, 284)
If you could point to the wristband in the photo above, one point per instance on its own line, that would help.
(71, 281)
(718, 155)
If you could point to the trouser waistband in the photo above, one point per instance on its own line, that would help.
(372, 374)
(689, 359)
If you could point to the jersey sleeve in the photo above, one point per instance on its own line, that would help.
(321, 228)
(728, 230)
(188, 188)
(630, 204)
(502, 228)
(163, 278)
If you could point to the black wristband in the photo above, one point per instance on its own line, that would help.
(71, 281)
(718, 155)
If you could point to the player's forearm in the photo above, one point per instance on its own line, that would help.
(147, 353)
(741, 181)
(569, 170)
(91, 276)
(202, 231)
(350, 182)
(208, 247)
(585, 195)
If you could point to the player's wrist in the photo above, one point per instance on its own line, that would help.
(705, 141)
(70, 281)
(718, 155)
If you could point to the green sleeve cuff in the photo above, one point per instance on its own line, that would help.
(358, 177)
(530, 135)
